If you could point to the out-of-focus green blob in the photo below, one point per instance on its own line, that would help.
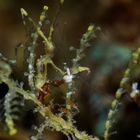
(111, 53)
(110, 56)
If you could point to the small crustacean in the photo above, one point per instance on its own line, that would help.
(45, 91)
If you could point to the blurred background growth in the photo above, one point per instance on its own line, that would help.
(108, 57)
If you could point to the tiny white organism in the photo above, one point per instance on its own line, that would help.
(68, 77)
(135, 90)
